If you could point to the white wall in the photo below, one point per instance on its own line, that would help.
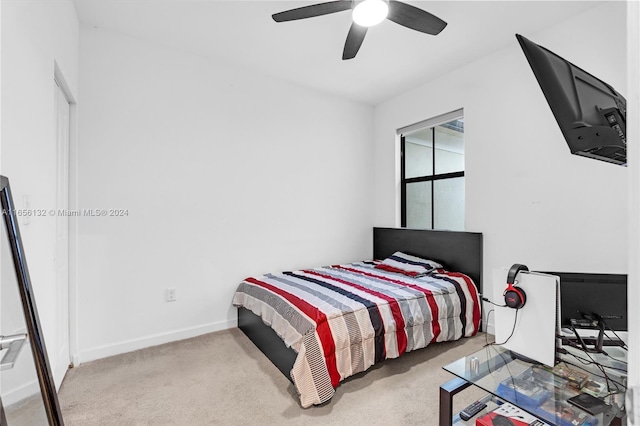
(534, 202)
(224, 174)
(36, 35)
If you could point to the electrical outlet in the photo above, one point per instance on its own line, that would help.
(170, 295)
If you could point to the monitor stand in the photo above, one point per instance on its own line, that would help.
(589, 344)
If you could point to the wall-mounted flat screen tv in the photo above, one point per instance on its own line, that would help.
(591, 114)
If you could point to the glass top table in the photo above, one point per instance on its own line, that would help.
(540, 390)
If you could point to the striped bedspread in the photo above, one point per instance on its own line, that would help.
(342, 319)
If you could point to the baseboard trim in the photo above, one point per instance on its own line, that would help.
(148, 341)
(490, 329)
(21, 393)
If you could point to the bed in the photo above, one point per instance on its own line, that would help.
(321, 325)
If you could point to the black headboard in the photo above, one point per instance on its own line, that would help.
(457, 251)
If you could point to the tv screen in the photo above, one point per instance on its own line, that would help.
(591, 114)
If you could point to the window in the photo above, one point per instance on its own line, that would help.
(432, 173)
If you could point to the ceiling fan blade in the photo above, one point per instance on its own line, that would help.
(354, 41)
(412, 17)
(312, 11)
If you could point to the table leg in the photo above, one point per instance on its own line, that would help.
(447, 391)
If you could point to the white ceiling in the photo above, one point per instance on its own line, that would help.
(308, 52)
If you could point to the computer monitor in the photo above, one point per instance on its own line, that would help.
(591, 114)
(596, 302)
(595, 295)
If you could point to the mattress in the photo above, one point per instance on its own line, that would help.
(342, 319)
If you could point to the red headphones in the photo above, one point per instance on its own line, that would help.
(514, 296)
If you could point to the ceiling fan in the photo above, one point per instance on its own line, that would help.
(367, 13)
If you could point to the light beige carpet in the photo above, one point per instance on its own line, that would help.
(223, 379)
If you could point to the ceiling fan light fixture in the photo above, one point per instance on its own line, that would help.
(370, 12)
(366, 13)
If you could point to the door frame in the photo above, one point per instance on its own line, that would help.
(73, 220)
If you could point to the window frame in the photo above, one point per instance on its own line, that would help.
(430, 124)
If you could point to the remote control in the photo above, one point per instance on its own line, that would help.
(472, 410)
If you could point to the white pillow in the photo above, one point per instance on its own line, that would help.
(407, 264)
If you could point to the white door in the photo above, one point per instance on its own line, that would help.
(61, 359)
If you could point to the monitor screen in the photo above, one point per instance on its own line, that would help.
(591, 114)
(604, 295)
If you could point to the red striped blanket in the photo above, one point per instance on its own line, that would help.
(342, 319)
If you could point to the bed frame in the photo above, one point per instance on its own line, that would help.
(457, 251)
